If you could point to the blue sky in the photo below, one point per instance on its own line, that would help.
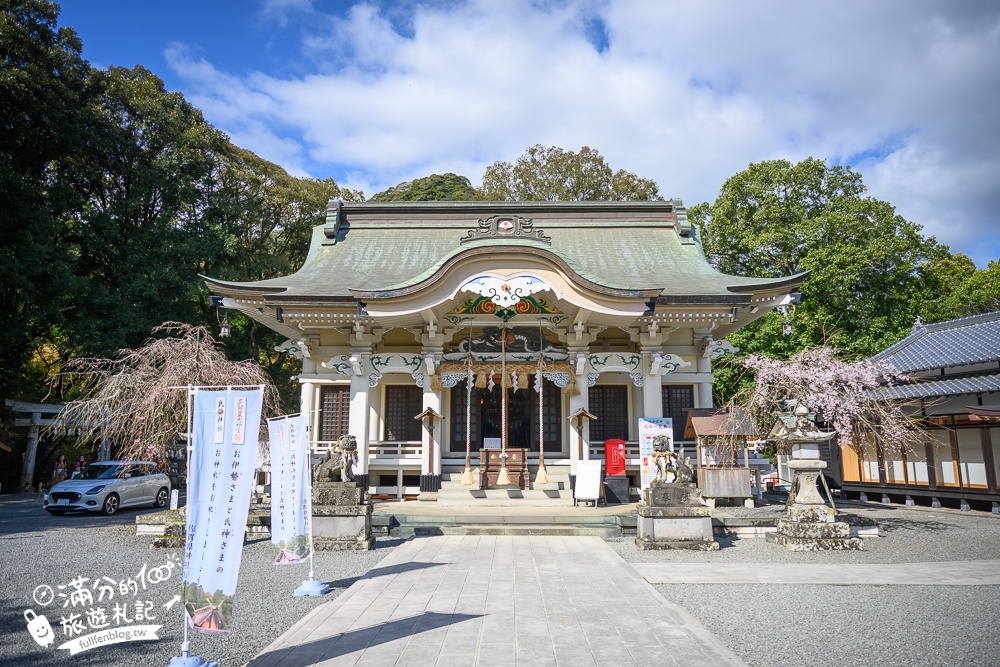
(687, 93)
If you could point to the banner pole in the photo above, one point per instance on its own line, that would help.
(186, 659)
(186, 646)
(312, 585)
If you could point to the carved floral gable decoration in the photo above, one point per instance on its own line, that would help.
(505, 297)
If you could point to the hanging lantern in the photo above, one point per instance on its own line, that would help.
(786, 328)
(224, 330)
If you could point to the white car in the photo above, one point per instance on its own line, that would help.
(107, 486)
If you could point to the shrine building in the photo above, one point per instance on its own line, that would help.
(432, 331)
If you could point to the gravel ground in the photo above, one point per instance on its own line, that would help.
(833, 625)
(852, 625)
(908, 535)
(38, 549)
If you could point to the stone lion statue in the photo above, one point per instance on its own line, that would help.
(346, 450)
(661, 456)
(668, 461)
(681, 468)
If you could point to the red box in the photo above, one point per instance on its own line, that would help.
(614, 457)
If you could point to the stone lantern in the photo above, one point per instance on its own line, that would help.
(808, 524)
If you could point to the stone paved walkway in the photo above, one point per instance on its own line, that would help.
(962, 573)
(499, 600)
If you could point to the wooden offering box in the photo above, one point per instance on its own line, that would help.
(490, 462)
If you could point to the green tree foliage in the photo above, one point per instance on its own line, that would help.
(553, 174)
(43, 87)
(943, 274)
(116, 194)
(967, 293)
(868, 265)
(259, 218)
(149, 159)
(436, 187)
(256, 223)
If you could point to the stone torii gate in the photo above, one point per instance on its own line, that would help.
(34, 420)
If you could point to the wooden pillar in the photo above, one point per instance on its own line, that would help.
(956, 462)
(307, 407)
(358, 420)
(988, 459)
(652, 391)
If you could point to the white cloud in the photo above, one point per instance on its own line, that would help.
(686, 93)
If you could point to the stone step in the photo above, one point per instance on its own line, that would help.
(513, 492)
(554, 486)
(554, 477)
(504, 501)
(604, 531)
(444, 518)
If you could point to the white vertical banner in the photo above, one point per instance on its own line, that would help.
(648, 428)
(225, 426)
(290, 515)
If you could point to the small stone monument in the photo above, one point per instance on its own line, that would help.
(342, 511)
(671, 514)
(808, 524)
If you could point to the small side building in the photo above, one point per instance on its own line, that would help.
(955, 366)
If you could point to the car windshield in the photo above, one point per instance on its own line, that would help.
(98, 471)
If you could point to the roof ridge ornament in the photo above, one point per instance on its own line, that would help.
(334, 221)
(513, 227)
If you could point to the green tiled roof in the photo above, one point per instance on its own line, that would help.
(616, 245)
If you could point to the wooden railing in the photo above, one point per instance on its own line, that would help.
(396, 449)
(393, 450)
(632, 459)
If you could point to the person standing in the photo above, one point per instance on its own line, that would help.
(59, 470)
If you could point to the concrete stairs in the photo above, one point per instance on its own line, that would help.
(400, 524)
(541, 509)
(554, 494)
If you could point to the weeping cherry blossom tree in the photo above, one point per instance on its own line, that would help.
(132, 399)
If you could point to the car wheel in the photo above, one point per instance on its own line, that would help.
(110, 504)
(161, 498)
(56, 512)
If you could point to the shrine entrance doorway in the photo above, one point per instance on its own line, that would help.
(522, 417)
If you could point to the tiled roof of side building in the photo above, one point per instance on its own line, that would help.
(961, 342)
(979, 384)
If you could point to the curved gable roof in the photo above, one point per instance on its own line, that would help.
(620, 248)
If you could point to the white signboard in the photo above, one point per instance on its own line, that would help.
(648, 428)
(290, 511)
(221, 463)
(492, 443)
(588, 480)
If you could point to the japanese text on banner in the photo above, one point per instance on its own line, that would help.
(225, 428)
(290, 507)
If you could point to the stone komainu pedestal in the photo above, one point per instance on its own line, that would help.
(671, 516)
(342, 517)
(809, 525)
